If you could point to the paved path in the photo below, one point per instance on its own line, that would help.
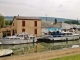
(44, 55)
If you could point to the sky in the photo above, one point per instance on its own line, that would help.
(51, 8)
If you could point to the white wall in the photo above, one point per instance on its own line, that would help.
(66, 26)
(44, 30)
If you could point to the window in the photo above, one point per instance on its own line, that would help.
(23, 23)
(13, 32)
(31, 38)
(36, 31)
(23, 30)
(35, 23)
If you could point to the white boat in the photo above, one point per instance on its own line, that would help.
(64, 36)
(19, 39)
(5, 52)
(70, 36)
(75, 46)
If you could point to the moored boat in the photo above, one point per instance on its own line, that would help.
(5, 52)
(60, 36)
(19, 39)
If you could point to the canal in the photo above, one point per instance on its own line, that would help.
(39, 47)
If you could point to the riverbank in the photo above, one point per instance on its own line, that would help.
(44, 55)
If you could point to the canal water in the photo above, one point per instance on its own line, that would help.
(39, 47)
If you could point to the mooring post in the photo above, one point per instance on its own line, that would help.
(33, 41)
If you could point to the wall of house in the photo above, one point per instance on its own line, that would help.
(54, 29)
(44, 30)
(5, 30)
(66, 26)
(14, 26)
(29, 26)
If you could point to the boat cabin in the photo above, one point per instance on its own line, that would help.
(67, 33)
(21, 36)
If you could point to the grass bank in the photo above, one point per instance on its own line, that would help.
(48, 55)
(72, 57)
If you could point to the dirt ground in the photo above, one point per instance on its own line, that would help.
(44, 55)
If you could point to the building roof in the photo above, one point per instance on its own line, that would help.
(26, 18)
(51, 24)
(66, 26)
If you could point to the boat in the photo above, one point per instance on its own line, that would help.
(59, 36)
(19, 39)
(75, 46)
(70, 35)
(5, 52)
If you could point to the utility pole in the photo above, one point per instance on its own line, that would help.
(46, 17)
(77, 19)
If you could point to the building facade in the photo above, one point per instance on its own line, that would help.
(30, 25)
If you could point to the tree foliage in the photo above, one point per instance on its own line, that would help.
(72, 22)
(7, 22)
(55, 21)
(11, 22)
(1, 21)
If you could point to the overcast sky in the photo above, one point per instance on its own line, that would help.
(53, 8)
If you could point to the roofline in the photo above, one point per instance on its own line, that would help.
(28, 19)
(24, 19)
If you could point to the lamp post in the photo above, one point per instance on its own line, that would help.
(33, 41)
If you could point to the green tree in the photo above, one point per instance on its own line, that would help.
(7, 22)
(72, 22)
(11, 22)
(55, 21)
(1, 21)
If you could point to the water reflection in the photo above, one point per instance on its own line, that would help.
(33, 48)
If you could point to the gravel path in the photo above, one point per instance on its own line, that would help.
(44, 55)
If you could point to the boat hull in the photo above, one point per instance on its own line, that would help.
(16, 41)
(54, 39)
(5, 52)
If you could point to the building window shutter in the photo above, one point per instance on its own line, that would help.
(23, 30)
(23, 23)
(35, 23)
(36, 31)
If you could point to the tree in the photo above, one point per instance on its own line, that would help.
(1, 21)
(11, 22)
(55, 21)
(7, 22)
(72, 22)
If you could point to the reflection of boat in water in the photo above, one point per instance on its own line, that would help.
(75, 46)
(5, 52)
(59, 36)
(18, 39)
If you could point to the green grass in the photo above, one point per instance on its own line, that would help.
(72, 57)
